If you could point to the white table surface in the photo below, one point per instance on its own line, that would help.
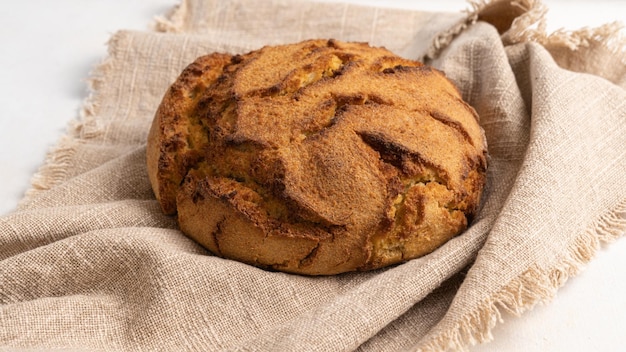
(49, 47)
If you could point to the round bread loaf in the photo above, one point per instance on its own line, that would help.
(317, 158)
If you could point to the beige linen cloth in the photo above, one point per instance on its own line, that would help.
(88, 262)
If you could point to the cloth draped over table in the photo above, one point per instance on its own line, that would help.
(89, 262)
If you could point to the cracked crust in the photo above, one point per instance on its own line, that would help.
(317, 158)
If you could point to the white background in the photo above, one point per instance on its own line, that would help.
(49, 47)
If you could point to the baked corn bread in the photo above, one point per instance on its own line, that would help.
(317, 158)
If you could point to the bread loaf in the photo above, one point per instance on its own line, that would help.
(317, 158)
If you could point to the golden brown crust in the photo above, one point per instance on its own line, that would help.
(319, 157)
(169, 153)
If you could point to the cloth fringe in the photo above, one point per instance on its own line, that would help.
(53, 170)
(531, 26)
(441, 41)
(89, 127)
(58, 160)
(536, 285)
(609, 36)
(173, 21)
(532, 11)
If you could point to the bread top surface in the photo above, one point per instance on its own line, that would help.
(371, 158)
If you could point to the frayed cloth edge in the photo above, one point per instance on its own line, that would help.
(173, 21)
(535, 285)
(531, 26)
(54, 169)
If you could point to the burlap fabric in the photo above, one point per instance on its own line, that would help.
(88, 262)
